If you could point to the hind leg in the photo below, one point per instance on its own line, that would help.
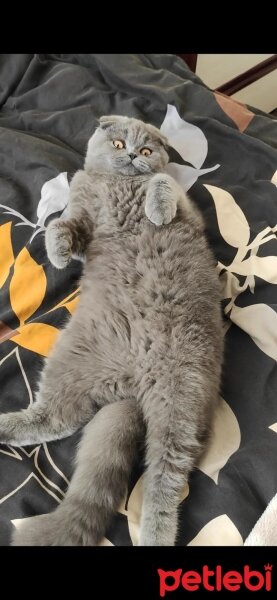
(104, 460)
(63, 403)
(176, 435)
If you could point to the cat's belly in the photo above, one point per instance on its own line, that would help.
(145, 302)
(138, 289)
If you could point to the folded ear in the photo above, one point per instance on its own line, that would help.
(106, 122)
(156, 132)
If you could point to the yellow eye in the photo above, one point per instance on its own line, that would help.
(119, 144)
(146, 151)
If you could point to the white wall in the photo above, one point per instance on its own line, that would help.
(216, 69)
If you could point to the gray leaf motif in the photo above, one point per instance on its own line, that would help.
(19, 466)
(192, 145)
(220, 531)
(54, 198)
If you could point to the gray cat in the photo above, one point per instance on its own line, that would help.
(141, 357)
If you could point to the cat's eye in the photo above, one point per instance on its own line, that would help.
(146, 151)
(119, 144)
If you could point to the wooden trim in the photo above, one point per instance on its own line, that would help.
(190, 59)
(248, 77)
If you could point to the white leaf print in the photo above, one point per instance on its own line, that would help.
(54, 197)
(16, 353)
(186, 138)
(273, 427)
(225, 440)
(264, 267)
(260, 322)
(35, 454)
(17, 215)
(11, 452)
(185, 492)
(262, 237)
(220, 531)
(31, 476)
(20, 454)
(232, 223)
(230, 284)
(185, 175)
(36, 474)
(134, 510)
(105, 542)
(18, 522)
(53, 464)
(274, 178)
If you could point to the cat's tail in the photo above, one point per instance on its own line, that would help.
(103, 464)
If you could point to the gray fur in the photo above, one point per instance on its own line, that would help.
(98, 484)
(144, 344)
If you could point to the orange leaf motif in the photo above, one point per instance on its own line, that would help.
(6, 252)
(38, 337)
(27, 287)
(71, 306)
(70, 302)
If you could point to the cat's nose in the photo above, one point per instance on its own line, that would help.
(132, 156)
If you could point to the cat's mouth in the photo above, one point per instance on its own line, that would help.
(135, 166)
(128, 166)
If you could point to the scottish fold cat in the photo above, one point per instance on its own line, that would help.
(140, 360)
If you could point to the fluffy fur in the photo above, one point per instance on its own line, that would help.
(140, 360)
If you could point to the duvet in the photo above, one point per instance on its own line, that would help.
(224, 155)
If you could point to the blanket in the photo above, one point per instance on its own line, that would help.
(224, 155)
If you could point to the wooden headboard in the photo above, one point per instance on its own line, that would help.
(241, 81)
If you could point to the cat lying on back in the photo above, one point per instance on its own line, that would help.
(141, 357)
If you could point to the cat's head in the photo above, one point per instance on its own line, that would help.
(126, 146)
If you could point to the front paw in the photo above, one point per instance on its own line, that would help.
(159, 211)
(58, 244)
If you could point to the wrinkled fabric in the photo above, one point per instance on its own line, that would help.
(50, 104)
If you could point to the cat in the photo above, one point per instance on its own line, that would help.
(140, 360)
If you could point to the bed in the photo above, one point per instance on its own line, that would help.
(224, 154)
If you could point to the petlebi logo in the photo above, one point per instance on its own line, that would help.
(215, 580)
